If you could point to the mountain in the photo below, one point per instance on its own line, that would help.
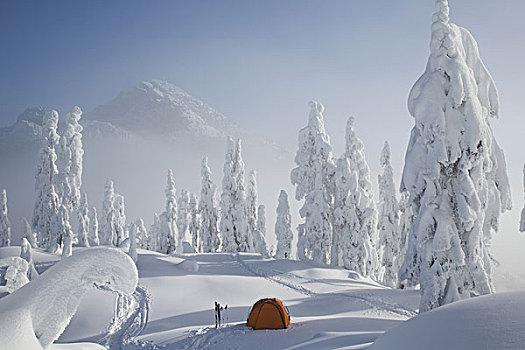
(160, 108)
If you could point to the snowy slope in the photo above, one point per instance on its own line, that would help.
(330, 308)
(487, 322)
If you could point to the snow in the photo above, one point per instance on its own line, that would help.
(486, 322)
(35, 315)
(330, 307)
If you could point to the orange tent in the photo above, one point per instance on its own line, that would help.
(268, 313)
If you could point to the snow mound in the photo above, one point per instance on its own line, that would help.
(487, 322)
(189, 266)
(35, 315)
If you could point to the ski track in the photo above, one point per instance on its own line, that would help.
(373, 302)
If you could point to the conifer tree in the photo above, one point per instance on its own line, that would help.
(83, 222)
(362, 206)
(183, 218)
(69, 161)
(47, 200)
(209, 233)
(313, 178)
(195, 223)
(251, 211)
(109, 219)
(388, 221)
(454, 170)
(283, 228)
(260, 232)
(121, 231)
(168, 220)
(5, 226)
(233, 201)
(93, 238)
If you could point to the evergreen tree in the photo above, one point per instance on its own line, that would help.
(522, 221)
(143, 239)
(313, 178)
(251, 212)
(283, 228)
(132, 252)
(454, 170)
(120, 222)
(47, 200)
(64, 233)
(5, 226)
(154, 234)
(363, 204)
(109, 220)
(195, 223)
(233, 201)
(260, 232)
(406, 219)
(353, 247)
(83, 222)
(183, 218)
(209, 233)
(388, 221)
(29, 234)
(168, 219)
(93, 228)
(69, 161)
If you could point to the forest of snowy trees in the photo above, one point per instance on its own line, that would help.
(434, 232)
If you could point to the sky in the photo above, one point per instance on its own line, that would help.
(260, 62)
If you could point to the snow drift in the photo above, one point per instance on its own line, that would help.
(34, 316)
(487, 322)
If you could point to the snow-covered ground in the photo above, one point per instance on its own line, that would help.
(330, 307)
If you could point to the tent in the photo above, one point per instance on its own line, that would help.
(269, 313)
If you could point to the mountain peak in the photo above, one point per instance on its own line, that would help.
(160, 108)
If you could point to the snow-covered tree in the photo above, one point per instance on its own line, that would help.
(70, 153)
(109, 220)
(47, 200)
(83, 222)
(406, 219)
(259, 234)
(454, 170)
(29, 234)
(522, 221)
(26, 254)
(64, 233)
(195, 223)
(283, 228)
(183, 218)
(233, 225)
(132, 252)
(209, 234)
(353, 247)
(364, 236)
(93, 228)
(5, 226)
(313, 178)
(142, 236)
(154, 233)
(121, 227)
(388, 221)
(251, 211)
(168, 220)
